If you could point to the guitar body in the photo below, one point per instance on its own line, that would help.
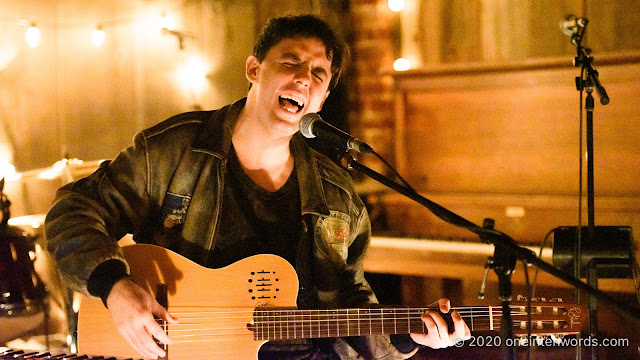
(229, 313)
(210, 294)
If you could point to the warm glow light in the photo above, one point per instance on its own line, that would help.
(8, 53)
(34, 221)
(32, 36)
(401, 64)
(8, 172)
(97, 36)
(167, 22)
(396, 5)
(192, 74)
(57, 168)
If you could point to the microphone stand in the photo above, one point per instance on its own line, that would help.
(584, 59)
(503, 263)
(507, 251)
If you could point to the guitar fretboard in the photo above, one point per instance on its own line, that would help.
(274, 324)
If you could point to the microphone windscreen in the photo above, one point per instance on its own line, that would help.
(306, 124)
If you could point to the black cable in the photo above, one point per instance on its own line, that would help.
(542, 246)
(393, 170)
(529, 295)
(635, 270)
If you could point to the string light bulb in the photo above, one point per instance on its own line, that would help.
(168, 25)
(396, 5)
(192, 74)
(401, 64)
(97, 36)
(32, 36)
(167, 22)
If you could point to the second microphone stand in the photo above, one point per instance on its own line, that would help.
(588, 83)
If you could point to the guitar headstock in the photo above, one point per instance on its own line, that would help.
(548, 317)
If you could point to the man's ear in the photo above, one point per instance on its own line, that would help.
(251, 69)
(323, 100)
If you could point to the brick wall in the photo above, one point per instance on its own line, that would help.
(370, 114)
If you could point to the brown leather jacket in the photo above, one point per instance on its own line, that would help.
(166, 190)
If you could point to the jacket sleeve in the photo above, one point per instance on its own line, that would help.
(374, 346)
(89, 216)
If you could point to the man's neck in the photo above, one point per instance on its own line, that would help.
(266, 159)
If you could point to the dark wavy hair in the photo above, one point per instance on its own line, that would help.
(306, 26)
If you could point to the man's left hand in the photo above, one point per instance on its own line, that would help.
(438, 335)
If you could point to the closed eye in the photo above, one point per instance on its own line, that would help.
(318, 76)
(320, 73)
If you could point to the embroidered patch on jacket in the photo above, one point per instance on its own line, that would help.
(334, 231)
(174, 210)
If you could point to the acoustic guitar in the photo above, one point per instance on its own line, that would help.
(228, 313)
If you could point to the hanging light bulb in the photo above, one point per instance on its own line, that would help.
(192, 74)
(8, 171)
(396, 5)
(97, 36)
(167, 22)
(32, 36)
(401, 64)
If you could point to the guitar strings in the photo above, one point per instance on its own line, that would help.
(274, 333)
(350, 311)
(307, 318)
(211, 323)
(270, 317)
(306, 324)
(332, 315)
(269, 308)
(186, 315)
(333, 322)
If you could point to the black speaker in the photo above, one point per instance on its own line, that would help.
(611, 248)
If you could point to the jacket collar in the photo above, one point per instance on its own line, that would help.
(215, 135)
(215, 139)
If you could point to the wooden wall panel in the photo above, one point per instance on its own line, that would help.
(495, 31)
(498, 141)
(614, 25)
(524, 121)
(66, 98)
(27, 86)
(518, 137)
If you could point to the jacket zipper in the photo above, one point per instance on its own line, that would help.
(217, 217)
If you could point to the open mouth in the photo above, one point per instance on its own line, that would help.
(291, 104)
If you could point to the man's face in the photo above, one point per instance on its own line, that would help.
(292, 80)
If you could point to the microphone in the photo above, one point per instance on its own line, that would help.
(312, 125)
(571, 24)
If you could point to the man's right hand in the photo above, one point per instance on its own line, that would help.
(132, 310)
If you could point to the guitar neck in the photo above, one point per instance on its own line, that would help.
(546, 318)
(277, 324)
